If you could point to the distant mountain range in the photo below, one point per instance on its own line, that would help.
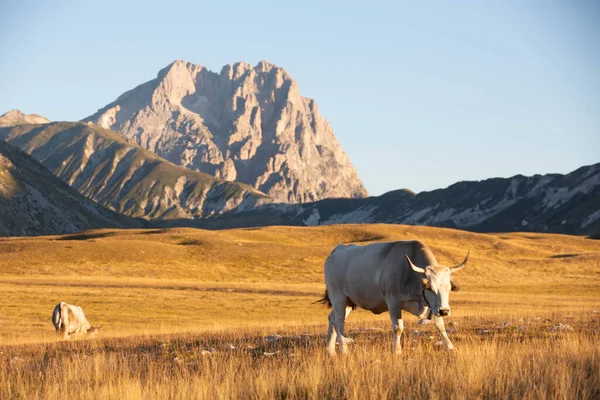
(541, 203)
(243, 148)
(103, 166)
(35, 202)
(246, 124)
(16, 117)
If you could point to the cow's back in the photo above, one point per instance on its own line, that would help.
(72, 317)
(78, 311)
(366, 274)
(353, 272)
(353, 258)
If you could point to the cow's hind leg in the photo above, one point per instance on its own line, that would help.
(397, 329)
(346, 339)
(339, 312)
(331, 334)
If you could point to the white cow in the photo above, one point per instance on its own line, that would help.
(381, 277)
(68, 319)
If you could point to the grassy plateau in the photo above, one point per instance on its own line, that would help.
(190, 313)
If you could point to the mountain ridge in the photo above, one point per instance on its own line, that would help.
(568, 203)
(17, 117)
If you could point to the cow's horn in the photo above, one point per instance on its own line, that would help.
(462, 264)
(414, 267)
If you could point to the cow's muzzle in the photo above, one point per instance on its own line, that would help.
(444, 312)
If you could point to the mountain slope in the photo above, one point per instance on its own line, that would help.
(16, 117)
(542, 203)
(35, 202)
(247, 124)
(104, 167)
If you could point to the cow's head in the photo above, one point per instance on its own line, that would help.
(93, 330)
(437, 284)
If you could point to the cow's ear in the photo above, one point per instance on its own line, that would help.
(425, 282)
(454, 286)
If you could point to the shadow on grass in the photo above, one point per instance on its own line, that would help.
(567, 255)
(154, 232)
(370, 238)
(87, 236)
(189, 242)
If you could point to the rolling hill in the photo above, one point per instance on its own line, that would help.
(35, 202)
(155, 279)
(103, 166)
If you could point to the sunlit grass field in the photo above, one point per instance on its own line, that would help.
(165, 296)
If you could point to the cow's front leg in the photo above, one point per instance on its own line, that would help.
(397, 329)
(439, 324)
(419, 310)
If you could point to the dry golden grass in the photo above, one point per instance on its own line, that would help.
(507, 362)
(166, 295)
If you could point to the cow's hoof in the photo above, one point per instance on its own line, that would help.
(347, 340)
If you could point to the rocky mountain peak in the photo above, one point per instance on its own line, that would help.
(246, 123)
(264, 65)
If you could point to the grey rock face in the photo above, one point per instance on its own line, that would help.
(246, 123)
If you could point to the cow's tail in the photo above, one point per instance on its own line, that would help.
(324, 300)
(57, 317)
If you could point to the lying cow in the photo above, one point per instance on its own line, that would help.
(68, 319)
(382, 277)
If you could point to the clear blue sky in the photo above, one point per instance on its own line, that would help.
(419, 95)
